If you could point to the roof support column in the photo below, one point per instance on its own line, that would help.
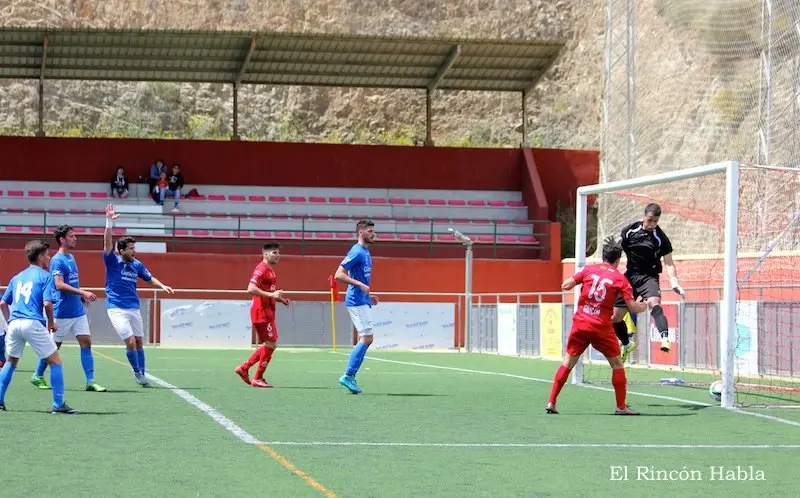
(40, 129)
(525, 119)
(236, 83)
(440, 74)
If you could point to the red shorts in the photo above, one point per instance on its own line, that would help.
(263, 326)
(603, 341)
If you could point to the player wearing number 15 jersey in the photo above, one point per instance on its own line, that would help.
(591, 323)
(263, 286)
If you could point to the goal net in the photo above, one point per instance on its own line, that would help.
(748, 334)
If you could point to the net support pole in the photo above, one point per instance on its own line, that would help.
(581, 227)
(468, 295)
(728, 307)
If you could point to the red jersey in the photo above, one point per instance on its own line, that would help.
(265, 279)
(601, 284)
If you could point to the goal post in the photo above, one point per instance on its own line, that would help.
(727, 318)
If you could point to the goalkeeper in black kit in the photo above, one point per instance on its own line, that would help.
(645, 244)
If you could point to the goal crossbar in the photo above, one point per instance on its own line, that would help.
(728, 306)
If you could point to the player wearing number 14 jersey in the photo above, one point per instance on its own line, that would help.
(263, 286)
(591, 324)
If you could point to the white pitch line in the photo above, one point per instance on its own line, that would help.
(599, 388)
(542, 445)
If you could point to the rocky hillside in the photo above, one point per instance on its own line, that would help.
(564, 110)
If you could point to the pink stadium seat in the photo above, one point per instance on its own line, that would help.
(485, 238)
(35, 193)
(445, 237)
(441, 220)
(377, 200)
(237, 198)
(476, 203)
(57, 194)
(496, 204)
(324, 235)
(258, 216)
(276, 198)
(528, 239)
(13, 229)
(279, 216)
(200, 233)
(457, 202)
(417, 202)
(437, 202)
(461, 221)
(502, 222)
(515, 204)
(317, 200)
(424, 237)
(507, 239)
(181, 232)
(405, 236)
(221, 233)
(402, 219)
(387, 236)
(99, 195)
(520, 222)
(337, 200)
(283, 235)
(382, 217)
(219, 215)
(97, 230)
(297, 198)
(216, 197)
(78, 212)
(16, 193)
(58, 211)
(319, 217)
(397, 202)
(301, 235)
(78, 195)
(36, 229)
(79, 230)
(357, 200)
(481, 221)
(257, 198)
(118, 231)
(345, 235)
(197, 197)
(19, 210)
(262, 235)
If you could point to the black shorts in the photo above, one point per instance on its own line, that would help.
(646, 286)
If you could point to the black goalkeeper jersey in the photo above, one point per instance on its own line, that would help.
(644, 249)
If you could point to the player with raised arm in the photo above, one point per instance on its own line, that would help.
(122, 300)
(69, 311)
(645, 244)
(30, 292)
(356, 271)
(263, 286)
(591, 324)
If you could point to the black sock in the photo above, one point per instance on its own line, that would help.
(661, 320)
(622, 332)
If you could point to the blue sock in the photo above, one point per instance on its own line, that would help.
(87, 362)
(57, 383)
(5, 379)
(140, 359)
(133, 360)
(356, 358)
(40, 368)
(2, 347)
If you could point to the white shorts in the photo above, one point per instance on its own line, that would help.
(361, 316)
(32, 332)
(75, 326)
(127, 323)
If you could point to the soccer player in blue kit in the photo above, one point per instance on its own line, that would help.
(356, 271)
(30, 293)
(69, 309)
(122, 300)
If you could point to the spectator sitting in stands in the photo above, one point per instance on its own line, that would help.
(156, 169)
(174, 186)
(119, 184)
(161, 185)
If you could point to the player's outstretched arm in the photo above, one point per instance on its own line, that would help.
(65, 287)
(7, 300)
(568, 284)
(342, 275)
(4, 310)
(159, 285)
(108, 236)
(672, 273)
(636, 307)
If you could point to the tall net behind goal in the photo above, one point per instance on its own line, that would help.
(766, 344)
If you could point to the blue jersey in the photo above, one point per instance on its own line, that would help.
(358, 264)
(67, 305)
(27, 293)
(121, 281)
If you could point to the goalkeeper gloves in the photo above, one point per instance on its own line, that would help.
(676, 286)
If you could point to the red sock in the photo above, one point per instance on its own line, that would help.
(620, 382)
(266, 356)
(253, 358)
(561, 378)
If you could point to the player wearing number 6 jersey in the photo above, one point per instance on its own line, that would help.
(591, 323)
(263, 286)
(30, 292)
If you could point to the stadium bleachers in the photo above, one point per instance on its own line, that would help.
(498, 217)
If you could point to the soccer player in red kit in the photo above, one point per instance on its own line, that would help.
(592, 324)
(263, 286)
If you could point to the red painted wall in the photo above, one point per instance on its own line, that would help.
(563, 171)
(302, 164)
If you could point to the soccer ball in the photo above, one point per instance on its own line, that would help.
(715, 390)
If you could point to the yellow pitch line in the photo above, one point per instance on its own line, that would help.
(282, 460)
